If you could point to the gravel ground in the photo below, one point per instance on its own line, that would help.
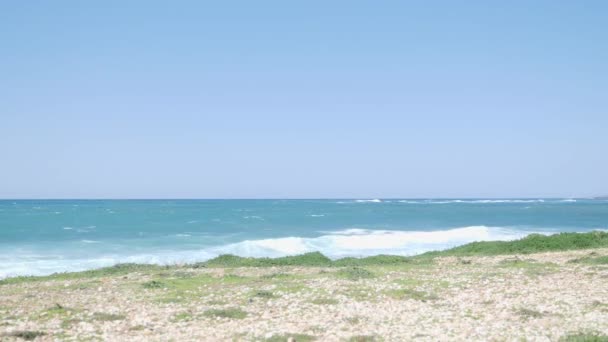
(538, 297)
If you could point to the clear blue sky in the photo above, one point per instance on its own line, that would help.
(225, 99)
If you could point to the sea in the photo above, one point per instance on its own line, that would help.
(41, 237)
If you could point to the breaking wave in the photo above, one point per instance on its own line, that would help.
(335, 244)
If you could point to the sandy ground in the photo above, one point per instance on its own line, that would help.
(539, 297)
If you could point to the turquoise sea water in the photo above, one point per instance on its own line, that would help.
(46, 236)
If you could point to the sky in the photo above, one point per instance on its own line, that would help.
(303, 99)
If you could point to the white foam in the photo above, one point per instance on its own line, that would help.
(253, 217)
(335, 244)
(368, 201)
(363, 242)
(480, 201)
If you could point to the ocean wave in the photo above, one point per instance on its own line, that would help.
(335, 244)
(253, 217)
(478, 201)
(364, 242)
(368, 201)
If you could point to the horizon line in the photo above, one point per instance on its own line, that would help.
(282, 198)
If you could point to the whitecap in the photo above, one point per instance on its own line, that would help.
(253, 217)
(355, 242)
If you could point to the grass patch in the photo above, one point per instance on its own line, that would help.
(602, 260)
(183, 316)
(68, 323)
(363, 338)
(278, 275)
(233, 313)
(354, 320)
(529, 313)
(57, 310)
(355, 273)
(531, 267)
(324, 301)
(28, 335)
(153, 284)
(107, 317)
(533, 243)
(411, 294)
(290, 288)
(289, 337)
(119, 269)
(264, 294)
(308, 259)
(584, 337)
(376, 260)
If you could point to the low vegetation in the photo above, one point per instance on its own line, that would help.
(28, 335)
(290, 337)
(363, 338)
(233, 313)
(590, 260)
(529, 313)
(355, 273)
(411, 294)
(533, 243)
(585, 337)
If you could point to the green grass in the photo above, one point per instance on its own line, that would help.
(118, 269)
(529, 313)
(308, 259)
(533, 243)
(602, 260)
(153, 284)
(28, 335)
(363, 338)
(278, 275)
(106, 317)
(584, 337)
(355, 273)
(286, 337)
(57, 310)
(182, 316)
(264, 294)
(530, 267)
(411, 294)
(324, 301)
(233, 313)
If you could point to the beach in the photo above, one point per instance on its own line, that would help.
(534, 297)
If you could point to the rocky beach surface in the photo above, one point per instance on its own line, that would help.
(535, 297)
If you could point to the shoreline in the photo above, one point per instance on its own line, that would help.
(536, 288)
(532, 243)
